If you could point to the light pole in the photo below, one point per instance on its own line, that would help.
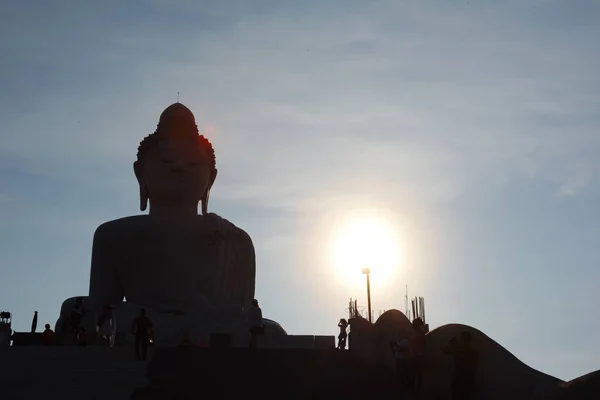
(367, 271)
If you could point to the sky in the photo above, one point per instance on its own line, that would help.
(469, 127)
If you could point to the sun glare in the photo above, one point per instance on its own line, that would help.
(366, 242)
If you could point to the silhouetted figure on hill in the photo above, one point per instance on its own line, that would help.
(255, 323)
(465, 366)
(417, 354)
(142, 331)
(401, 353)
(48, 336)
(343, 325)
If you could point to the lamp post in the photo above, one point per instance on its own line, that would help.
(367, 271)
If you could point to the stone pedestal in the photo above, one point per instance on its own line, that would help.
(170, 329)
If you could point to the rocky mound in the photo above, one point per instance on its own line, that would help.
(392, 325)
(586, 387)
(500, 374)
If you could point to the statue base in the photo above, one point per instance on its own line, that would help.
(172, 328)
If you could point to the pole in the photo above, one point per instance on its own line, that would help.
(406, 303)
(369, 294)
(34, 322)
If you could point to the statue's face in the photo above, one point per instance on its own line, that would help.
(176, 172)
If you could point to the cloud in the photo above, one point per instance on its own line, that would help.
(578, 177)
(339, 109)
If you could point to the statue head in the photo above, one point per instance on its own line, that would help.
(175, 165)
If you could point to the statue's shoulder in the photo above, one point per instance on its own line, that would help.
(117, 228)
(227, 228)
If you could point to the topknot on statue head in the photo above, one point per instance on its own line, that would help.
(177, 112)
(177, 127)
(177, 122)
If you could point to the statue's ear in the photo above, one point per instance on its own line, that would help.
(144, 195)
(206, 195)
(213, 177)
(204, 202)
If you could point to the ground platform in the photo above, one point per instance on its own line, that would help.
(71, 372)
(179, 373)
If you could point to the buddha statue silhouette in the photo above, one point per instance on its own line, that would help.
(194, 273)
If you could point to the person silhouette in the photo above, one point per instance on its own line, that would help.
(417, 354)
(256, 323)
(141, 329)
(82, 337)
(465, 366)
(343, 325)
(106, 325)
(48, 336)
(76, 317)
(401, 353)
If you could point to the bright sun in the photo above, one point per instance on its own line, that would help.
(367, 241)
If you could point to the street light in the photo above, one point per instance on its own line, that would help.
(367, 271)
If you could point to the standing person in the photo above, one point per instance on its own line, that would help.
(82, 337)
(141, 329)
(255, 322)
(48, 336)
(417, 354)
(76, 317)
(465, 366)
(401, 353)
(106, 325)
(343, 325)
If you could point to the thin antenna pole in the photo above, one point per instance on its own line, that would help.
(406, 303)
(369, 296)
(178, 97)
